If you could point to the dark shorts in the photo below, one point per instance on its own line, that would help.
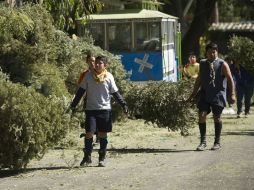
(204, 106)
(98, 120)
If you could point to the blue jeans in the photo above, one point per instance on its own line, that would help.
(244, 91)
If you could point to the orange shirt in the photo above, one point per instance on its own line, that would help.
(83, 74)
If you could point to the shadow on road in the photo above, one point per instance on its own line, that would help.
(248, 133)
(146, 150)
(9, 173)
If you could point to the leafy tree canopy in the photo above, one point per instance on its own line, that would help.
(241, 49)
(236, 10)
(65, 12)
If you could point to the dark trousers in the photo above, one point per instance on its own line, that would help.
(244, 91)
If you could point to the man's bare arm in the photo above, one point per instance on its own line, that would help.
(227, 73)
(196, 88)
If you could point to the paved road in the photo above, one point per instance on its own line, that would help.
(178, 167)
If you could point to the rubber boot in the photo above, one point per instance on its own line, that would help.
(86, 159)
(87, 152)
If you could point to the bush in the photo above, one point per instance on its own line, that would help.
(30, 123)
(25, 37)
(242, 49)
(28, 37)
(162, 103)
(47, 80)
(38, 58)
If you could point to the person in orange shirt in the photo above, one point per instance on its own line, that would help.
(90, 60)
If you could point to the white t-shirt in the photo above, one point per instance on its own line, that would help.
(98, 94)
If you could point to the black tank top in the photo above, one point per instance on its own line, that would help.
(213, 82)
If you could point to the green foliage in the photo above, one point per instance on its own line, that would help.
(236, 10)
(27, 58)
(162, 103)
(47, 79)
(29, 24)
(15, 28)
(241, 49)
(38, 58)
(147, 4)
(30, 123)
(18, 52)
(65, 12)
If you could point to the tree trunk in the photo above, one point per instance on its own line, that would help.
(11, 3)
(180, 15)
(216, 15)
(14, 3)
(202, 15)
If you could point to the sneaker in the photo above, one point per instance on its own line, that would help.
(102, 163)
(201, 147)
(102, 156)
(231, 111)
(247, 115)
(239, 115)
(216, 146)
(86, 160)
(228, 111)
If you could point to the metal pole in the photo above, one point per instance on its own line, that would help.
(179, 48)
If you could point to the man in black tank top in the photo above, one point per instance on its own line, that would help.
(211, 83)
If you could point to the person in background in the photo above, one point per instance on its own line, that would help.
(90, 60)
(191, 69)
(244, 88)
(214, 73)
(229, 110)
(99, 85)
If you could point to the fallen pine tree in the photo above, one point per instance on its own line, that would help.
(30, 123)
(163, 103)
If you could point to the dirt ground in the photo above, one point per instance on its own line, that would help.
(141, 156)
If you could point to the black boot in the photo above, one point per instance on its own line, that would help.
(102, 155)
(217, 129)
(87, 159)
(102, 151)
(202, 130)
(87, 152)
